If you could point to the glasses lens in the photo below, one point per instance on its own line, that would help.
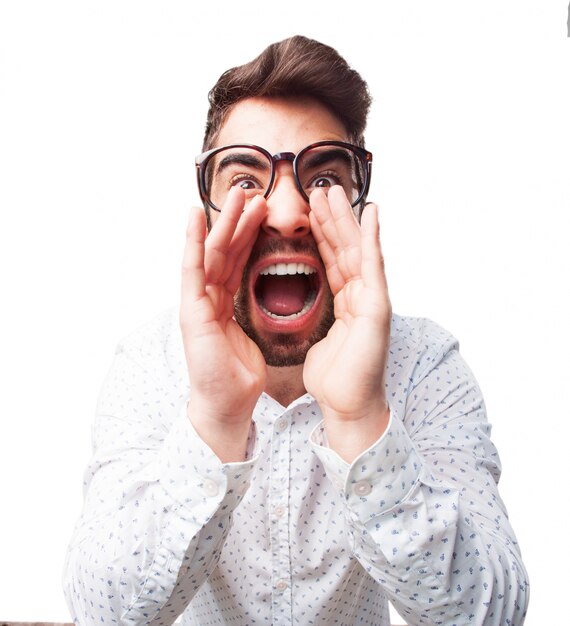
(324, 166)
(247, 168)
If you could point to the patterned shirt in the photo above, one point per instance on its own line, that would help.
(294, 535)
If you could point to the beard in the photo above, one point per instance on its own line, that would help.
(282, 349)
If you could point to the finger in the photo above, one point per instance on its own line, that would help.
(348, 231)
(373, 270)
(320, 210)
(244, 237)
(235, 275)
(328, 256)
(325, 249)
(345, 221)
(193, 284)
(339, 228)
(335, 214)
(222, 232)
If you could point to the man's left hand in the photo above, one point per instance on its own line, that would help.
(345, 371)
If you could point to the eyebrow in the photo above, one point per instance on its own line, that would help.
(322, 157)
(242, 158)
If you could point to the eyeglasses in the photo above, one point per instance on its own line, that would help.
(318, 166)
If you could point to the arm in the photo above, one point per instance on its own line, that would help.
(422, 504)
(161, 488)
(157, 507)
(352, 393)
(226, 369)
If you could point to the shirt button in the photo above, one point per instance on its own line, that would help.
(183, 570)
(281, 585)
(210, 488)
(281, 425)
(279, 510)
(362, 488)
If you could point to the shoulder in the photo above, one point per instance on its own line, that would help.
(148, 378)
(421, 335)
(156, 348)
(160, 336)
(422, 348)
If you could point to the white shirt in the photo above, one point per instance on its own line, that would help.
(294, 535)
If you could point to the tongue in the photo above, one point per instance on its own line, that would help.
(284, 295)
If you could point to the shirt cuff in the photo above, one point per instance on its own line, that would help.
(195, 477)
(377, 480)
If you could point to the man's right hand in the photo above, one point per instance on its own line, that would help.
(226, 369)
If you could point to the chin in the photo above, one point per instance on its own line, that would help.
(283, 349)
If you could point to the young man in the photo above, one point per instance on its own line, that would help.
(290, 452)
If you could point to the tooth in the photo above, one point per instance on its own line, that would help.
(281, 269)
(270, 269)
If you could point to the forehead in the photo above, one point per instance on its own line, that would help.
(280, 124)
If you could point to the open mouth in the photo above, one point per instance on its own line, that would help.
(287, 291)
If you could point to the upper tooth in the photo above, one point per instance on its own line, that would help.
(282, 269)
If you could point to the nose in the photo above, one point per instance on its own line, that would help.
(287, 210)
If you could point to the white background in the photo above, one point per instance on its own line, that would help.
(102, 108)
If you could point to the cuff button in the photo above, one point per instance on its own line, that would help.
(210, 488)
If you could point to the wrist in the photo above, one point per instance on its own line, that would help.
(228, 439)
(349, 437)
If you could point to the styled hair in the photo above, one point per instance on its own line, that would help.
(300, 67)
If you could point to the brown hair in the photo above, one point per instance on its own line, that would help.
(297, 66)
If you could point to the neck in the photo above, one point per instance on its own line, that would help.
(285, 384)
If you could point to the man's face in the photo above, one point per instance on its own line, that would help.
(284, 303)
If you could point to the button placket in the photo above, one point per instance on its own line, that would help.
(338, 482)
(281, 425)
(242, 489)
(279, 520)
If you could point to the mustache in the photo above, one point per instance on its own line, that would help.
(284, 247)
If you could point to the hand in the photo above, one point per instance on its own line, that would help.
(226, 369)
(345, 371)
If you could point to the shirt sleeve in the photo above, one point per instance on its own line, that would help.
(158, 505)
(423, 512)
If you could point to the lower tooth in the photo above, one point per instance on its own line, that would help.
(308, 304)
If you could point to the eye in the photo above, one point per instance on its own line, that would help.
(247, 184)
(245, 181)
(324, 181)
